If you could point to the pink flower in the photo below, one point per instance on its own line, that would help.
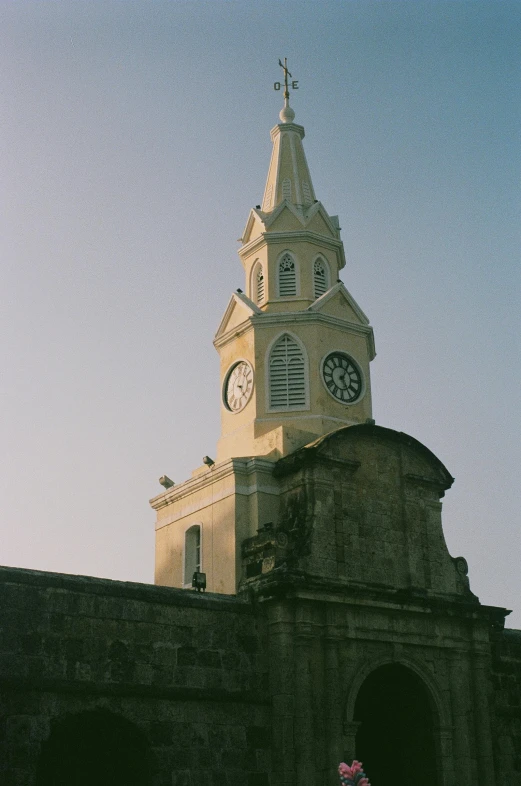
(348, 775)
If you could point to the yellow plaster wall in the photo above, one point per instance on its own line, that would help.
(229, 506)
(241, 347)
(213, 507)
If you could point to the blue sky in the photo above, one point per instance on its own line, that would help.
(135, 139)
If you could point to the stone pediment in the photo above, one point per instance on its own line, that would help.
(338, 302)
(290, 218)
(254, 226)
(388, 524)
(285, 218)
(239, 308)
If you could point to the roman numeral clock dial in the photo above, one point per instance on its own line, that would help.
(342, 377)
(238, 386)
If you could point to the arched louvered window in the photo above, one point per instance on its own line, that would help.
(320, 277)
(192, 555)
(287, 276)
(258, 283)
(287, 374)
(286, 189)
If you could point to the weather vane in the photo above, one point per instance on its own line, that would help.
(294, 83)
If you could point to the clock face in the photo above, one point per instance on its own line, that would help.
(238, 386)
(341, 377)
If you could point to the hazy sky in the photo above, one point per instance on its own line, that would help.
(135, 140)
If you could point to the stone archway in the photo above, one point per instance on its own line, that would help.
(94, 748)
(395, 723)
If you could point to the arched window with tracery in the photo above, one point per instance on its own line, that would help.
(287, 280)
(192, 554)
(287, 374)
(320, 277)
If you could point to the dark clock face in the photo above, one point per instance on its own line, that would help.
(342, 378)
(238, 386)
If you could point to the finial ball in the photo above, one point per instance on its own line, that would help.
(287, 115)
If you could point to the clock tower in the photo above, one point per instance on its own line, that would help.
(295, 347)
(294, 350)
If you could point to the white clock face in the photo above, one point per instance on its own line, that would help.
(238, 386)
(341, 377)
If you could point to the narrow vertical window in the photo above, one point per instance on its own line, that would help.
(287, 277)
(259, 285)
(287, 374)
(286, 189)
(320, 277)
(192, 556)
(269, 198)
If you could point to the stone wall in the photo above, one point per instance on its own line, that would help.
(362, 505)
(506, 671)
(186, 670)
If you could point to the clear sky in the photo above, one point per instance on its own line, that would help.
(135, 140)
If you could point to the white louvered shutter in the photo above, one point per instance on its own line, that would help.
(320, 278)
(259, 285)
(287, 277)
(287, 375)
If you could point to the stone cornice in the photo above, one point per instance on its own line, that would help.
(285, 237)
(218, 472)
(282, 128)
(295, 585)
(267, 319)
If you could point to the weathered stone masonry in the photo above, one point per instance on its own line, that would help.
(350, 591)
(187, 670)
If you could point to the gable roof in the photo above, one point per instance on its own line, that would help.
(340, 291)
(239, 302)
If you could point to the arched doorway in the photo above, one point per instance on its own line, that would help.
(395, 739)
(94, 748)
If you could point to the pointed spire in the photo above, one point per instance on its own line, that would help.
(288, 176)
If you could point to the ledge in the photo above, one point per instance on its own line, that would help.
(152, 692)
(148, 593)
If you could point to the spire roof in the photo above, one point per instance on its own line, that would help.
(288, 175)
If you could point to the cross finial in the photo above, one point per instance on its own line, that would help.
(286, 74)
(294, 83)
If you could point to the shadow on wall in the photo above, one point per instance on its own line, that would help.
(94, 748)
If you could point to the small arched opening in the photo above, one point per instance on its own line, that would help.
(94, 748)
(395, 735)
(192, 554)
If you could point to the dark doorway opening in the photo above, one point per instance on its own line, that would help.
(94, 748)
(395, 740)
